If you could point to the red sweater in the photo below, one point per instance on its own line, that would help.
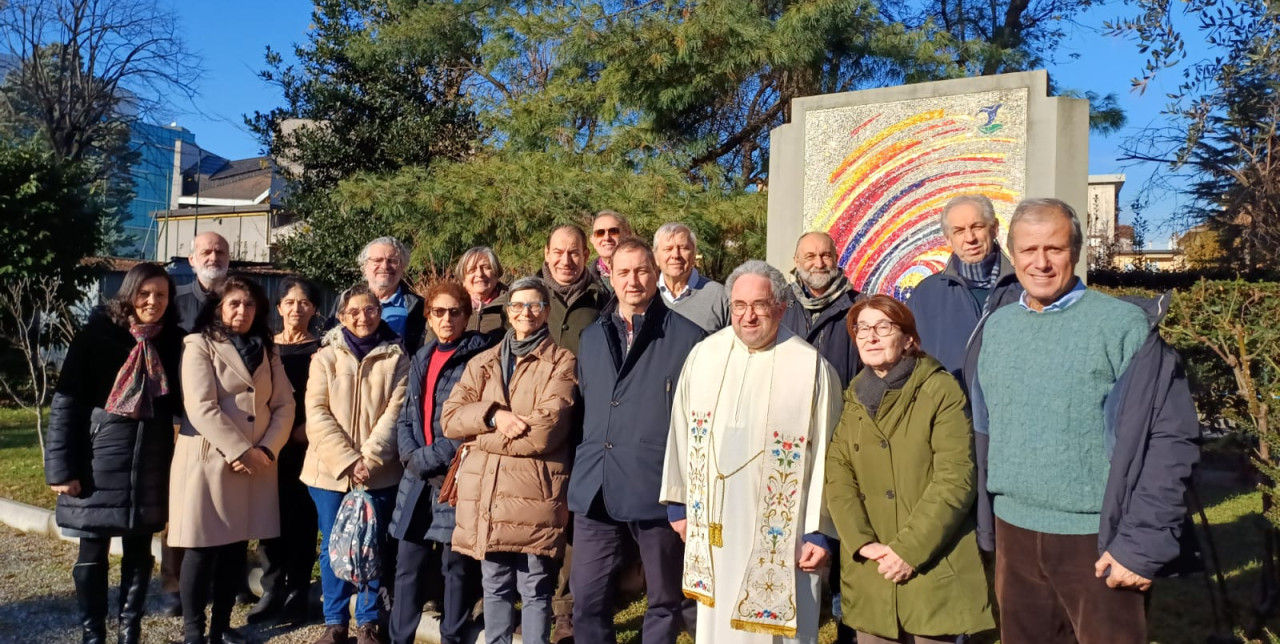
(434, 365)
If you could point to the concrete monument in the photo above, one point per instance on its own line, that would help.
(874, 168)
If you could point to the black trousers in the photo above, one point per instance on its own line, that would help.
(287, 560)
(414, 586)
(220, 568)
(598, 548)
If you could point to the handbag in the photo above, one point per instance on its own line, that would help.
(449, 488)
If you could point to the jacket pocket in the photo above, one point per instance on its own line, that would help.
(544, 480)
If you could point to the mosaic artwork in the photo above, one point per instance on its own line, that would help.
(877, 176)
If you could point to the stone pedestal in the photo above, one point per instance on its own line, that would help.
(874, 168)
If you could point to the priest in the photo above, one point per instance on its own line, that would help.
(750, 419)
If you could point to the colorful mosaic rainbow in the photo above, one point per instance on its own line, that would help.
(879, 187)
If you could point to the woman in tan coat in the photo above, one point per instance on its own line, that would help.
(354, 394)
(239, 409)
(512, 409)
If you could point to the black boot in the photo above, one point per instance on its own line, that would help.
(267, 608)
(135, 578)
(91, 594)
(296, 609)
(220, 631)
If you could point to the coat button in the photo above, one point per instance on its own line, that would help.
(564, 327)
(889, 494)
(250, 390)
(608, 445)
(862, 497)
(855, 447)
(250, 419)
(884, 444)
(614, 403)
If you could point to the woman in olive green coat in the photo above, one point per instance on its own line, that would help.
(900, 481)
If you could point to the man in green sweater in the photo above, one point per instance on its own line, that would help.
(1045, 370)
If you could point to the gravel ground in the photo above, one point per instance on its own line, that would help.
(37, 598)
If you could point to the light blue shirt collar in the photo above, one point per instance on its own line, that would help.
(676, 297)
(1069, 298)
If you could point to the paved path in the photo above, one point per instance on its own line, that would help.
(37, 598)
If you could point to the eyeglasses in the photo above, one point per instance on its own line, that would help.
(389, 261)
(883, 328)
(440, 312)
(368, 311)
(514, 308)
(612, 232)
(761, 307)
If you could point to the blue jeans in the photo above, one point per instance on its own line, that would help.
(337, 593)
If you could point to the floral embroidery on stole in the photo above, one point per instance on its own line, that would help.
(767, 599)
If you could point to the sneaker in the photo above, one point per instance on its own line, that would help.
(369, 634)
(334, 634)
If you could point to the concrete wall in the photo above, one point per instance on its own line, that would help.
(1047, 139)
(249, 234)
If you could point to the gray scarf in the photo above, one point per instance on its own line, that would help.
(513, 348)
(568, 293)
(816, 304)
(871, 388)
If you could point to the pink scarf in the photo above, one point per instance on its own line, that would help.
(141, 379)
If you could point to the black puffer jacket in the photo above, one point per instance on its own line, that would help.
(122, 464)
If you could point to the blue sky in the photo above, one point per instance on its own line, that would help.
(232, 35)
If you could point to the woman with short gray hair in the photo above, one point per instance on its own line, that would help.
(512, 410)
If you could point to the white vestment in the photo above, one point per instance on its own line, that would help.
(751, 403)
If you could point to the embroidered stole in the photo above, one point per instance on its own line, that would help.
(766, 602)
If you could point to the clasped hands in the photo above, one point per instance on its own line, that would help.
(892, 566)
(253, 460)
(508, 424)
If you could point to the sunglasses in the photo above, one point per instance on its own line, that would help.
(612, 232)
(440, 312)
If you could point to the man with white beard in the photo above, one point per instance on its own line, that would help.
(209, 259)
(819, 300)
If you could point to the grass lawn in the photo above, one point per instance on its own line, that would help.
(21, 467)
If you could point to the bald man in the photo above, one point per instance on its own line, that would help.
(210, 257)
(819, 299)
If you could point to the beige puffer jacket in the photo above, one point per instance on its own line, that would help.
(352, 407)
(511, 493)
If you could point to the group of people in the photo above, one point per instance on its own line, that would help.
(525, 443)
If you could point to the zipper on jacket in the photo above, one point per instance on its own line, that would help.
(133, 474)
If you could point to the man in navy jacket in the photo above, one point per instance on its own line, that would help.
(978, 279)
(628, 364)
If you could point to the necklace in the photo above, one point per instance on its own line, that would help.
(715, 529)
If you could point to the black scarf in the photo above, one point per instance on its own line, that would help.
(513, 348)
(568, 293)
(362, 346)
(250, 348)
(871, 388)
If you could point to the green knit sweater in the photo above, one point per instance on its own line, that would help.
(1044, 377)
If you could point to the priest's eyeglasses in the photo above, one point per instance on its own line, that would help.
(535, 308)
(761, 307)
(883, 328)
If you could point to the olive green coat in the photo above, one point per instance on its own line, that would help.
(907, 479)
